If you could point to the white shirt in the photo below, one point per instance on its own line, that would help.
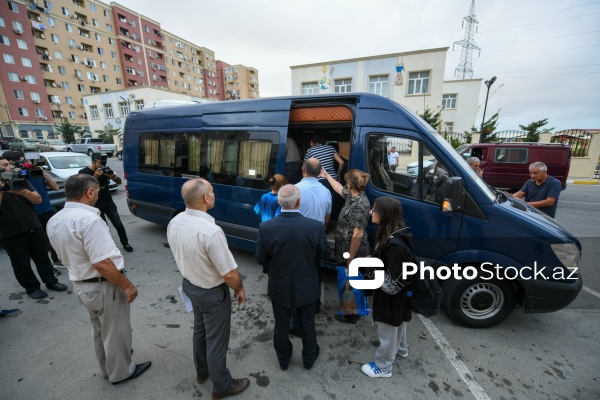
(81, 238)
(394, 158)
(200, 248)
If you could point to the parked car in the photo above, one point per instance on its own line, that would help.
(65, 164)
(90, 146)
(120, 154)
(412, 168)
(23, 144)
(4, 142)
(51, 145)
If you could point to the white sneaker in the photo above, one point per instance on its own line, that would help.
(404, 355)
(372, 371)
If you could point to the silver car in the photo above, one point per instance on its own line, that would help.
(51, 145)
(23, 144)
(65, 164)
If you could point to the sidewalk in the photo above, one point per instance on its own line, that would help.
(582, 181)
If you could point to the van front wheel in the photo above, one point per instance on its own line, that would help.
(478, 303)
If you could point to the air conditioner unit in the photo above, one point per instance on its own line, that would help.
(23, 78)
(82, 61)
(42, 36)
(82, 115)
(49, 58)
(73, 106)
(18, 31)
(80, 47)
(39, 18)
(80, 78)
(44, 118)
(36, 101)
(59, 85)
(53, 84)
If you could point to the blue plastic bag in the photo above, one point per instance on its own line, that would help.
(352, 301)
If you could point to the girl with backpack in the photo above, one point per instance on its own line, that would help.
(391, 311)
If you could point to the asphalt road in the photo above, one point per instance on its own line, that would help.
(46, 352)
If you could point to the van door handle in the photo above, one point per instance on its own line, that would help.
(186, 176)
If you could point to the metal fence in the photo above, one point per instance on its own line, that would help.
(578, 139)
(509, 136)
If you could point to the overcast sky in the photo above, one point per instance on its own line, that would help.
(544, 53)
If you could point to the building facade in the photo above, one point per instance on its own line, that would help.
(414, 79)
(239, 82)
(55, 52)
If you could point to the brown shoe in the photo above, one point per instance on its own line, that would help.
(201, 379)
(237, 387)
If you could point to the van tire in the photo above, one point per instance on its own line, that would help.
(478, 303)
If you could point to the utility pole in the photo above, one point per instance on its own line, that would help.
(488, 84)
(7, 109)
(465, 67)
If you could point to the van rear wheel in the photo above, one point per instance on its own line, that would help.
(478, 303)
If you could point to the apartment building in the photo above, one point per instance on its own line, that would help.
(239, 82)
(414, 79)
(55, 52)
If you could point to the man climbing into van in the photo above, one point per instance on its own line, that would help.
(542, 190)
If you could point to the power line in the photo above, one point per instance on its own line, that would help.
(545, 76)
(541, 69)
(535, 40)
(532, 15)
(541, 51)
(538, 23)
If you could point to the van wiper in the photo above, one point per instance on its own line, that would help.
(499, 194)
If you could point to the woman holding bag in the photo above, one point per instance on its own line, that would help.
(350, 232)
(391, 305)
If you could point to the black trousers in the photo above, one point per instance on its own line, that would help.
(44, 218)
(23, 247)
(110, 211)
(281, 336)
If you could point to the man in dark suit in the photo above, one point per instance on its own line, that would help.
(289, 246)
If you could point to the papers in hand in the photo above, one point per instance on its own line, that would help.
(186, 300)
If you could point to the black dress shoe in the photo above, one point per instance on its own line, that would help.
(128, 248)
(308, 365)
(201, 379)
(237, 387)
(59, 287)
(38, 294)
(139, 369)
(348, 319)
(56, 272)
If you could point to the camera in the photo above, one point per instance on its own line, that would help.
(105, 169)
(17, 178)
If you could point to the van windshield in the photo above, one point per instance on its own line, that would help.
(463, 164)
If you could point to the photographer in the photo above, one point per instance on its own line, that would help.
(105, 203)
(39, 180)
(22, 234)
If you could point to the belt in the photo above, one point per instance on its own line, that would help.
(97, 279)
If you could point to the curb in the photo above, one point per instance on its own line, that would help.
(585, 182)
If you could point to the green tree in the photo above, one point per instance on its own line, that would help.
(489, 127)
(69, 130)
(107, 133)
(433, 119)
(534, 129)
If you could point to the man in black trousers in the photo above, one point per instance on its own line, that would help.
(289, 247)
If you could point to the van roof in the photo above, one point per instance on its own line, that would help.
(518, 144)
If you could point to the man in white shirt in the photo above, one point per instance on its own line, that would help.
(84, 244)
(393, 157)
(209, 270)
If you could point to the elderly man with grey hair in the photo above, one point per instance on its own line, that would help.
(474, 163)
(542, 190)
(209, 271)
(290, 246)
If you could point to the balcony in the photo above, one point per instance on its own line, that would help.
(46, 67)
(79, 3)
(38, 33)
(83, 19)
(49, 83)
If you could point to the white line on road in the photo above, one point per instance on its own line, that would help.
(579, 202)
(451, 355)
(587, 289)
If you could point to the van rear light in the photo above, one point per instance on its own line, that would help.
(127, 192)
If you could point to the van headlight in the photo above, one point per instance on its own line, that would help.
(568, 254)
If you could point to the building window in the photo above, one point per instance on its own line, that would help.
(111, 41)
(65, 85)
(4, 40)
(22, 44)
(95, 22)
(123, 108)
(448, 127)
(343, 85)
(379, 85)
(72, 44)
(39, 113)
(23, 112)
(13, 7)
(9, 59)
(69, 100)
(113, 54)
(72, 114)
(2, 22)
(116, 67)
(310, 88)
(35, 96)
(105, 78)
(81, 87)
(139, 104)
(98, 37)
(65, 11)
(93, 7)
(17, 26)
(418, 82)
(68, 27)
(94, 111)
(58, 54)
(31, 79)
(18, 94)
(119, 81)
(449, 101)
(62, 70)
(26, 62)
(55, 38)
(13, 76)
(108, 111)
(109, 27)
(106, 13)
(102, 65)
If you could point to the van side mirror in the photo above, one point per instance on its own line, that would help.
(453, 195)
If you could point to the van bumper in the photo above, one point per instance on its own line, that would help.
(151, 212)
(548, 296)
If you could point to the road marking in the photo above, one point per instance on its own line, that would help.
(579, 202)
(587, 289)
(451, 355)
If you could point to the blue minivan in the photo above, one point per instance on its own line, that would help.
(508, 251)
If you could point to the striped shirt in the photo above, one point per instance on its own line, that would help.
(324, 153)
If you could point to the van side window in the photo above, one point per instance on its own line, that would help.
(406, 178)
(228, 158)
(513, 156)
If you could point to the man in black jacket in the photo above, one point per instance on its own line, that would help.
(289, 246)
(105, 203)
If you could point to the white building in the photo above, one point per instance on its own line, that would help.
(414, 79)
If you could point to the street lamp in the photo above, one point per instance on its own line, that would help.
(488, 84)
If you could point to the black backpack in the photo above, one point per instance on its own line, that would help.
(426, 294)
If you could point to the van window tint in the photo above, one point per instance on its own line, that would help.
(412, 171)
(229, 158)
(514, 156)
